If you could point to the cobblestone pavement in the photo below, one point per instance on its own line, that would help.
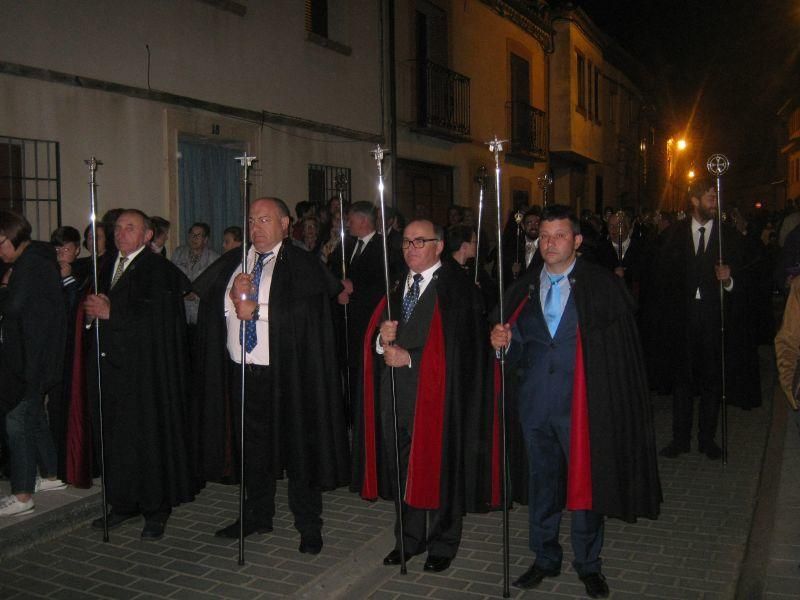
(694, 550)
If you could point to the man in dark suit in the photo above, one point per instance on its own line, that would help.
(145, 391)
(583, 403)
(621, 253)
(688, 275)
(435, 348)
(364, 282)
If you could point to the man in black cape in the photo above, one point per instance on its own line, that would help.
(444, 416)
(144, 380)
(294, 419)
(686, 298)
(582, 402)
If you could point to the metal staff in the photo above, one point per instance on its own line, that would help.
(518, 216)
(496, 147)
(481, 179)
(246, 161)
(93, 164)
(544, 181)
(717, 165)
(341, 184)
(620, 217)
(378, 153)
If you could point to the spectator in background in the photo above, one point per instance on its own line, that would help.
(192, 259)
(160, 235)
(31, 355)
(231, 238)
(67, 242)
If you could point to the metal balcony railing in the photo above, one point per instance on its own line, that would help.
(442, 99)
(527, 127)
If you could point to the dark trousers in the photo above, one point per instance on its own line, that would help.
(704, 374)
(305, 501)
(548, 454)
(437, 531)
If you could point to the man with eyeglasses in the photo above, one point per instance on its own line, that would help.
(294, 420)
(435, 346)
(192, 259)
(581, 400)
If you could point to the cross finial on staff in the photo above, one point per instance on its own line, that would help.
(496, 146)
(717, 164)
(246, 160)
(544, 180)
(93, 164)
(378, 153)
(341, 182)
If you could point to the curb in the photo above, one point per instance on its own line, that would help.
(48, 526)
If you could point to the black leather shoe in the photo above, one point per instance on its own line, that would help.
(232, 530)
(710, 449)
(437, 564)
(534, 576)
(311, 543)
(114, 520)
(596, 586)
(153, 530)
(393, 558)
(674, 450)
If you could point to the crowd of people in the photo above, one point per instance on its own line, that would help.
(395, 396)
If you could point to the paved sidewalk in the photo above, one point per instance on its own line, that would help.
(694, 550)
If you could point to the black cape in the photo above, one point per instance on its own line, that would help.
(308, 430)
(465, 484)
(625, 481)
(145, 386)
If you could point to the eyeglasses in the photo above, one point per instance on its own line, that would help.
(261, 220)
(417, 242)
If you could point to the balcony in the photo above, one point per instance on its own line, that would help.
(527, 127)
(442, 102)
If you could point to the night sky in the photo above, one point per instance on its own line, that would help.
(736, 61)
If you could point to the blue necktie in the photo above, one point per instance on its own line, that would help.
(250, 336)
(410, 300)
(552, 305)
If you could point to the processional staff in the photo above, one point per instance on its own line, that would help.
(620, 216)
(496, 147)
(341, 184)
(717, 165)
(246, 161)
(545, 180)
(378, 154)
(481, 180)
(93, 164)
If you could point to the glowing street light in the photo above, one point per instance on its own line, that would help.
(681, 144)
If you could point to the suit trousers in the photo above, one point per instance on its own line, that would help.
(704, 374)
(548, 452)
(436, 531)
(305, 501)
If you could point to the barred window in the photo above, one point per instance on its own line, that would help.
(322, 183)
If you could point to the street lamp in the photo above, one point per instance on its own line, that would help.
(681, 144)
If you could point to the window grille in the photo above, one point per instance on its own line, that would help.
(322, 183)
(30, 182)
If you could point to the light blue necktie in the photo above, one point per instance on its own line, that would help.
(410, 301)
(552, 305)
(250, 336)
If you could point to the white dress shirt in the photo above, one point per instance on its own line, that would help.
(260, 354)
